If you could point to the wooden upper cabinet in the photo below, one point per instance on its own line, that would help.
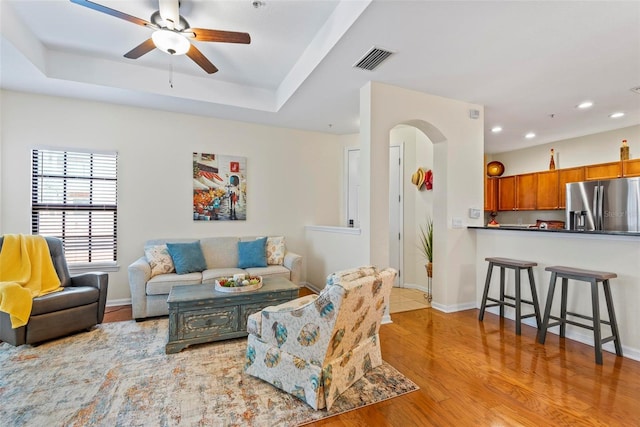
(490, 194)
(547, 190)
(564, 177)
(526, 185)
(507, 193)
(631, 167)
(603, 171)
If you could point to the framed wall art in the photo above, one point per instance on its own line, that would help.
(219, 187)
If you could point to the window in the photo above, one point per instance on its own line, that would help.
(73, 197)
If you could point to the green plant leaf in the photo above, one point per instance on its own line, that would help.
(425, 238)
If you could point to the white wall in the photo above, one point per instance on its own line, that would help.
(458, 185)
(585, 150)
(291, 174)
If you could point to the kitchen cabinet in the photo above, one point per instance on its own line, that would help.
(547, 190)
(631, 167)
(507, 193)
(603, 171)
(526, 193)
(490, 194)
(565, 176)
(517, 192)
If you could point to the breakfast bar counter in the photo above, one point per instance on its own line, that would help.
(604, 251)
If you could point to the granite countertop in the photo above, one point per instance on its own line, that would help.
(555, 230)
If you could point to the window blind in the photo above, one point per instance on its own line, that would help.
(74, 198)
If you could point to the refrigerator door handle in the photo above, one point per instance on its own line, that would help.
(600, 207)
(594, 209)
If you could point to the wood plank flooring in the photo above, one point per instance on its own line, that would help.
(475, 373)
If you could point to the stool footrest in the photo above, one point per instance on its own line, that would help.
(582, 316)
(570, 322)
(498, 303)
(514, 298)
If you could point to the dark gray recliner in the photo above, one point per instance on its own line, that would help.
(79, 306)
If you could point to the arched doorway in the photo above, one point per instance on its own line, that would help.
(409, 208)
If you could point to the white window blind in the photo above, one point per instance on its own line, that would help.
(73, 197)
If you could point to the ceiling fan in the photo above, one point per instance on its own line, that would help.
(172, 33)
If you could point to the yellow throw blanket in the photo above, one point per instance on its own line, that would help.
(26, 272)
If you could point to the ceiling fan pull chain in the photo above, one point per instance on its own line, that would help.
(171, 72)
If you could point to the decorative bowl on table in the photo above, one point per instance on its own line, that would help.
(238, 284)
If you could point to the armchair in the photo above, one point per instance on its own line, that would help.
(80, 305)
(317, 346)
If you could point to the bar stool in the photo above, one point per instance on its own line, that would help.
(517, 266)
(593, 277)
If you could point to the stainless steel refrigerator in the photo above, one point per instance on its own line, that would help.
(606, 205)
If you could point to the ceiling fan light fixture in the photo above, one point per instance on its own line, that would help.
(171, 42)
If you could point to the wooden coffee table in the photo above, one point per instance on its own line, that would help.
(200, 314)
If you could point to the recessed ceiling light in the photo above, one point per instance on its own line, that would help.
(585, 104)
(496, 129)
(530, 135)
(616, 115)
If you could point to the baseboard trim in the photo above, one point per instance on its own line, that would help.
(572, 334)
(118, 302)
(310, 286)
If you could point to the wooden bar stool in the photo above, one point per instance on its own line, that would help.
(517, 266)
(593, 277)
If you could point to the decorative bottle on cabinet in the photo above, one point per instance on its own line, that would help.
(552, 162)
(624, 150)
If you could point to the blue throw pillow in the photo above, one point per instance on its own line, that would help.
(252, 253)
(187, 257)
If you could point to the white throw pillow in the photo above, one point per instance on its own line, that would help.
(159, 259)
(275, 250)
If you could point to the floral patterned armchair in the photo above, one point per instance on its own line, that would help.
(317, 346)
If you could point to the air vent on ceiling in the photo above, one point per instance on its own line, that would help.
(373, 58)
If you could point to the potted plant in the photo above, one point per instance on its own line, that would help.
(426, 245)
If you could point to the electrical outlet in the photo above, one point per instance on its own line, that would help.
(456, 223)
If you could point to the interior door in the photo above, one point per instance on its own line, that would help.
(396, 236)
(353, 187)
(395, 211)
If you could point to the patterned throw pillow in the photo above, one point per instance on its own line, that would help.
(275, 250)
(159, 259)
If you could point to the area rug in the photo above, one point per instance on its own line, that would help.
(119, 375)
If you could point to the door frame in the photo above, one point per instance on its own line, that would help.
(346, 186)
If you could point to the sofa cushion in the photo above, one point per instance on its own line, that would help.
(159, 259)
(187, 257)
(70, 297)
(252, 253)
(162, 284)
(275, 250)
(269, 271)
(209, 276)
(220, 252)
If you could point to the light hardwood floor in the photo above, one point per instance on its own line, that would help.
(475, 373)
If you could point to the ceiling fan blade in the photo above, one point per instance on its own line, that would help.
(144, 47)
(204, 35)
(169, 11)
(113, 12)
(201, 60)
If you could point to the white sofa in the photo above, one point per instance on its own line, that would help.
(149, 294)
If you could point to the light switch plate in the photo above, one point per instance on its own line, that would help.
(456, 223)
(474, 213)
